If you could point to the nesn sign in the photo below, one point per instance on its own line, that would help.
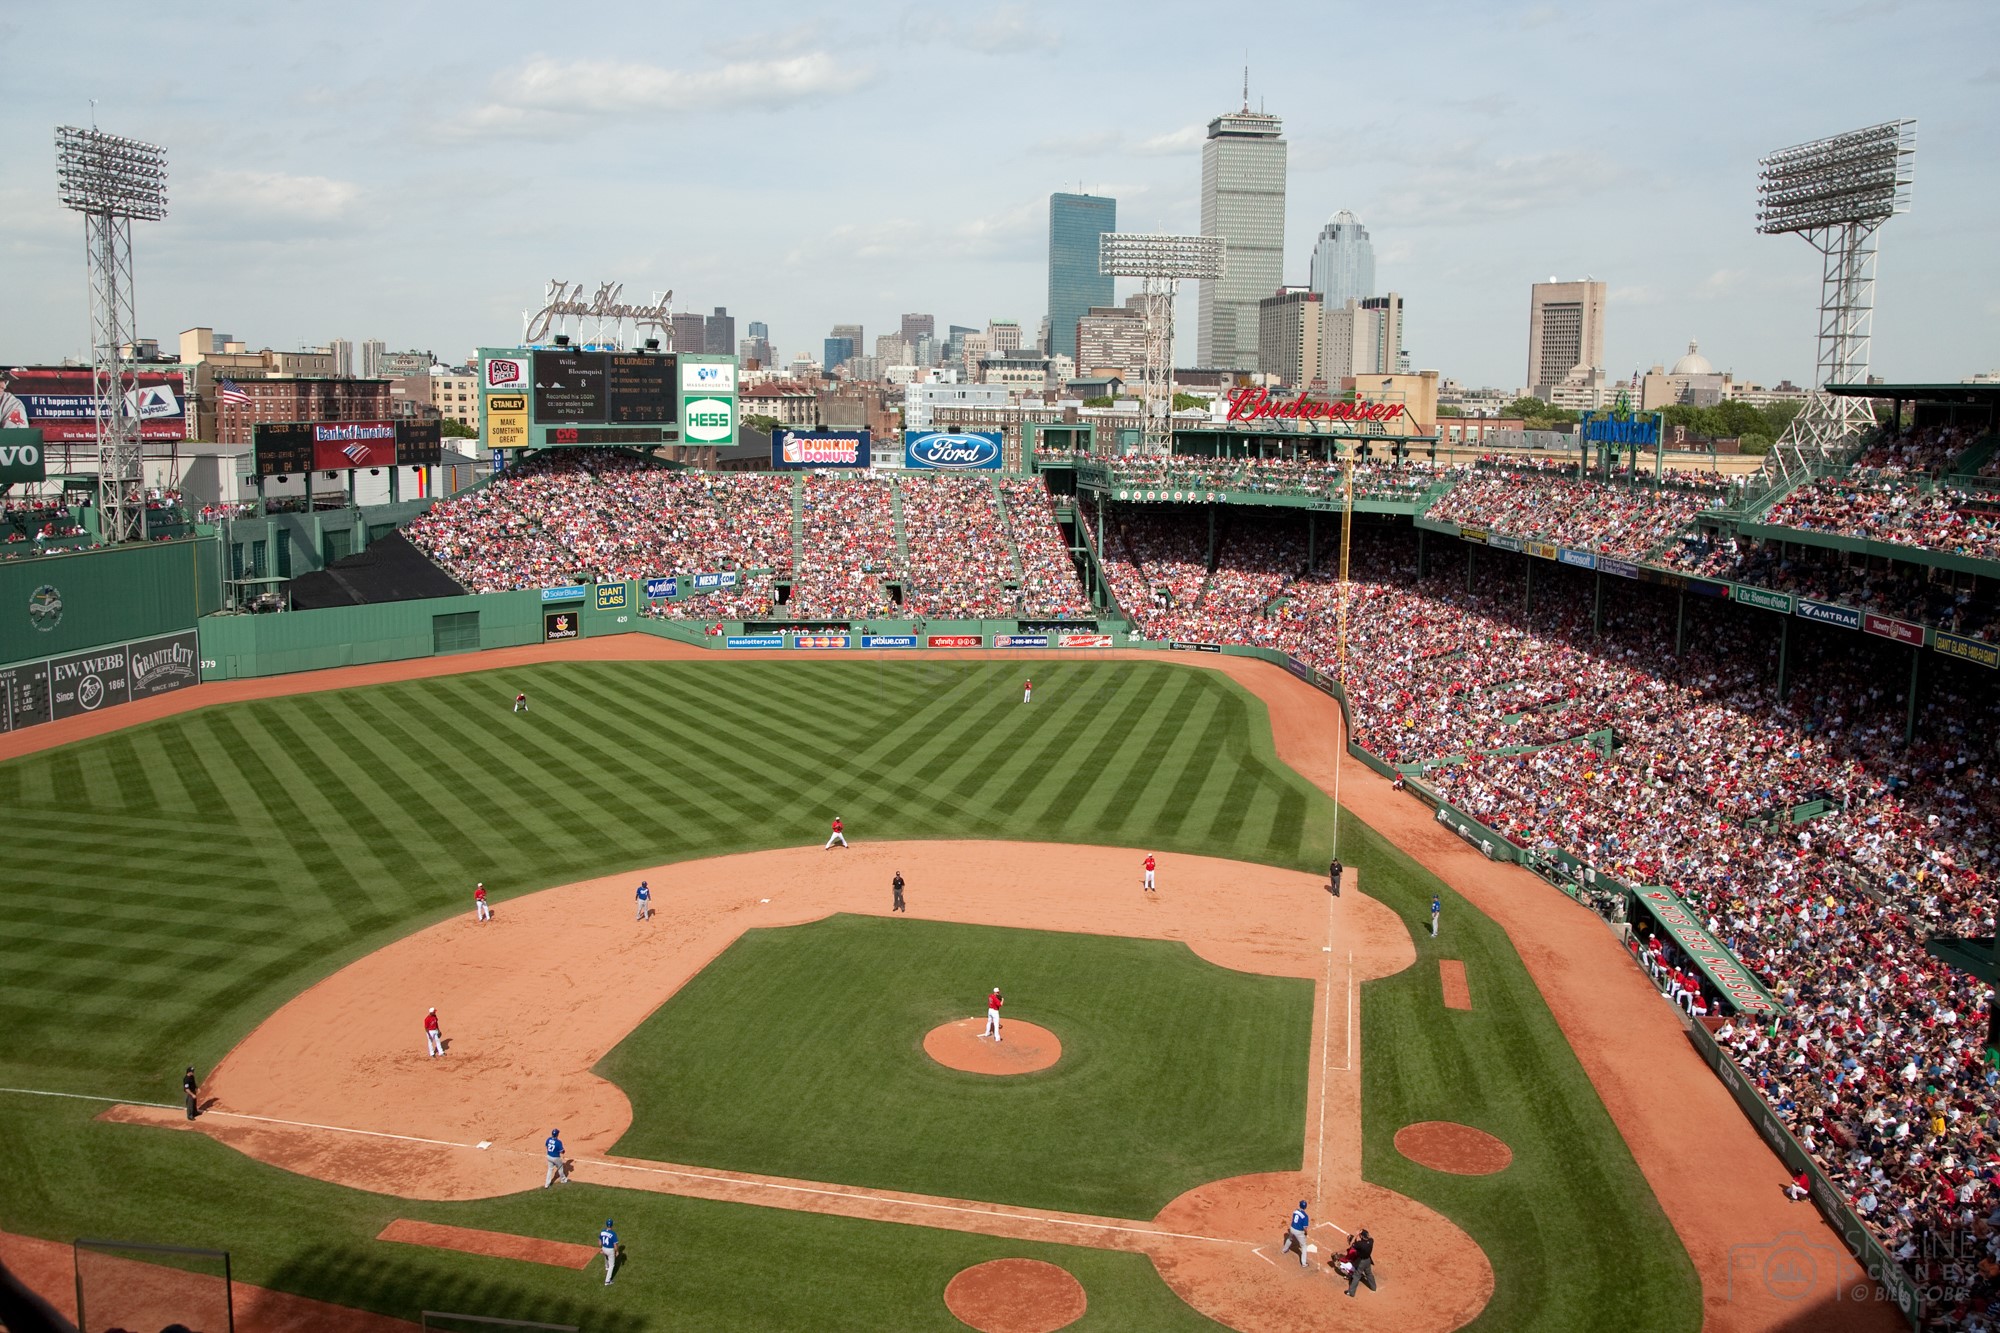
(952, 450)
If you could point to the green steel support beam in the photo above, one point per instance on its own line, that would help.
(1680, 622)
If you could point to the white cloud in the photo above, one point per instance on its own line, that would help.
(547, 96)
(1017, 233)
(276, 195)
(1123, 143)
(1461, 186)
(1634, 294)
(1005, 30)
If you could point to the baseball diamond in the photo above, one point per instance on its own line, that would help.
(755, 1059)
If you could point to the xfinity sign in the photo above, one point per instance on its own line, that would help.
(710, 420)
(955, 451)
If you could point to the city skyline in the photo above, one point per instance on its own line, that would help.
(314, 197)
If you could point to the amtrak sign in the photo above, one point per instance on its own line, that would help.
(952, 451)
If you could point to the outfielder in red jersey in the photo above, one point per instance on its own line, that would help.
(836, 835)
(993, 1003)
(1027, 691)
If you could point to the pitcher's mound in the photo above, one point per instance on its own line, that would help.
(1022, 1049)
(1015, 1295)
(1459, 1149)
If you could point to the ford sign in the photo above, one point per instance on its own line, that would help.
(955, 451)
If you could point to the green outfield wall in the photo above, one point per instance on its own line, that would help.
(57, 604)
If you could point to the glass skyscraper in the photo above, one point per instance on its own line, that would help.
(1343, 264)
(1075, 285)
(1242, 201)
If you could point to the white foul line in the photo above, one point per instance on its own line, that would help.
(1325, 1039)
(1258, 1250)
(732, 1181)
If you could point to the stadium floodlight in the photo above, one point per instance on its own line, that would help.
(112, 181)
(1836, 192)
(1161, 263)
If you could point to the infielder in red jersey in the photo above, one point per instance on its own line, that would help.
(1148, 881)
(433, 1038)
(836, 835)
(993, 1003)
(480, 911)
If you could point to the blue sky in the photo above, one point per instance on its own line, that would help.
(415, 173)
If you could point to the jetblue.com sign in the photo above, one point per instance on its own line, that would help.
(953, 451)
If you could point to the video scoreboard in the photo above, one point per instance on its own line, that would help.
(539, 397)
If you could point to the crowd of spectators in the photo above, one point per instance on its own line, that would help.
(1943, 518)
(1924, 451)
(868, 547)
(1379, 476)
(1951, 600)
(1684, 771)
(1630, 519)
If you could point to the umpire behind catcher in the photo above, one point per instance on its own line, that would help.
(1364, 1262)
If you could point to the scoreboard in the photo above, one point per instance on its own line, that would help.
(293, 448)
(577, 395)
(543, 397)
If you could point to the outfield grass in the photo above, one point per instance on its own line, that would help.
(165, 887)
(1174, 1071)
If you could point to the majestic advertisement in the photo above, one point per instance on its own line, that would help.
(819, 448)
(1969, 650)
(1826, 613)
(339, 446)
(162, 665)
(954, 451)
(1902, 631)
(61, 404)
(85, 682)
(21, 456)
(561, 625)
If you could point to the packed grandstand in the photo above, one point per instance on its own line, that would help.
(1612, 733)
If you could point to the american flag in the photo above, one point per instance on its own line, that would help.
(231, 393)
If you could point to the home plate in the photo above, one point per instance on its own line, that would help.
(485, 1143)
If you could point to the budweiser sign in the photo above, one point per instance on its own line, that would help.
(1263, 405)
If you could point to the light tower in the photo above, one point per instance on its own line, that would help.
(1160, 263)
(112, 181)
(1836, 192)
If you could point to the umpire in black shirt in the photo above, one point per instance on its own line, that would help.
(1364, 1262)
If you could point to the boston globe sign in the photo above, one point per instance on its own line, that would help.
(952, 451)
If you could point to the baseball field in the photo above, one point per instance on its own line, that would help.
(271, 888)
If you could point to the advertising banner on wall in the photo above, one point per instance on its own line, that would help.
(708, 400)
(85, 682)
(954, 641)
(1781, 602)
(953, 451)
(888, 641)
(1886, 627)
(342, 445)
(1020, 641)
(820, 640)
(162, 665)
(1826, 613)
(610, 596)
(792, 449)
(561, 625)
(60, 402)
(21, 456)
(1084, 641)
(1969, 650)
(660, 590)
(507, 420)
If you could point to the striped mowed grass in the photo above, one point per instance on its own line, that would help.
(168, 885)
